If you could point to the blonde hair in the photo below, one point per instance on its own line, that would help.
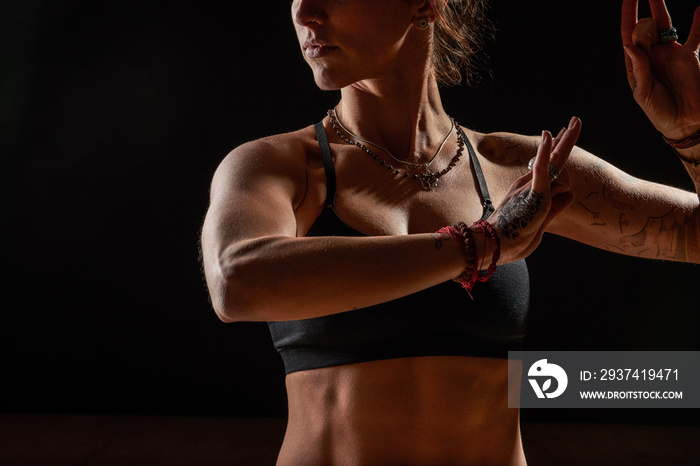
(460, 33)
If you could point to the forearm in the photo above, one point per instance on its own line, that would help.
(283, 278)
(658, 238)
(617, 212)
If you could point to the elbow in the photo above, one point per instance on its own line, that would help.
(232, 293)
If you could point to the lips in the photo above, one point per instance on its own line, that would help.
(317, 48)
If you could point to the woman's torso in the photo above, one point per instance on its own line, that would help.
(438, 410)
(420, 410)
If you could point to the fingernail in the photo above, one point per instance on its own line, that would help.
(573, 122)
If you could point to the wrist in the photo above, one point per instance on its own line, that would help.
(481, 248)
(465, 241)
(484, 248)
(684, 138)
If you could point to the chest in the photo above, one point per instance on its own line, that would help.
(378, 201)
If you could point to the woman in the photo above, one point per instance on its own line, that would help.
(350, 248)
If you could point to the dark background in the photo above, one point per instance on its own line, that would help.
(114, 116)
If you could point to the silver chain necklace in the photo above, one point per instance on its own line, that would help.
(396, 159)
(428, 180)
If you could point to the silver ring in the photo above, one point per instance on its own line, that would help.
(553, 173)
(552, 170)
(668, 35)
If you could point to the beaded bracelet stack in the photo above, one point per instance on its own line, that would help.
(471, 274)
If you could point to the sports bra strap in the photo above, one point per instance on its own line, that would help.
(327, 163)
(330, 171)
(483, 189)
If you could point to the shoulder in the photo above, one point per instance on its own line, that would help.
(503, 157)
(508, 149)
(277, 152)
(280, 159)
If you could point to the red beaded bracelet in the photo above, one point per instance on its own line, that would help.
(470, 274)
(461, 233)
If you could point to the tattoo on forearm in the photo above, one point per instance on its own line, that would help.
(668, 235)
(595, 203)
(518, 213)
(440, 239)
(595, 217)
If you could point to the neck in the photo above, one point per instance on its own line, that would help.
(404, 117)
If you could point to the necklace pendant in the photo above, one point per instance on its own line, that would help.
(428, 182)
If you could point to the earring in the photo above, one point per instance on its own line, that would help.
(423, 22)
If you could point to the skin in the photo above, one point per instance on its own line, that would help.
(266, 194)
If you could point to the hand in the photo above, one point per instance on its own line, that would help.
(534, 200)
(664, 76)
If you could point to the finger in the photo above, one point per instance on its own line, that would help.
(556, 140)
(645, 34)
(566, 144)
(639, 75)
(660, 14)
(540, 169)
(693, 41)
(629, 67)
(629, 20)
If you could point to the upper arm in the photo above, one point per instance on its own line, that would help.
(617, 212)
(253, 194)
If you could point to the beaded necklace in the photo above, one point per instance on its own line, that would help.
(411, 164)
(428, 180)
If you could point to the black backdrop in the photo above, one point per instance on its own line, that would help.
(114, 117)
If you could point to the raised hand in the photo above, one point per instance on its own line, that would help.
(534, 200)
(663, 74)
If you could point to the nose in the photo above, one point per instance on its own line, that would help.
(306, 12)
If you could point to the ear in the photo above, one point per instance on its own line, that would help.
(429, 8)
(426, 9)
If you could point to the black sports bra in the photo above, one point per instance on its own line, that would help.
(439, 321)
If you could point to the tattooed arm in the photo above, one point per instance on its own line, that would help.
(610, 209)
(617, 212)
(614, 211)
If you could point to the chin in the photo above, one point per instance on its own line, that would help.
(328, 87)
(328, 82)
